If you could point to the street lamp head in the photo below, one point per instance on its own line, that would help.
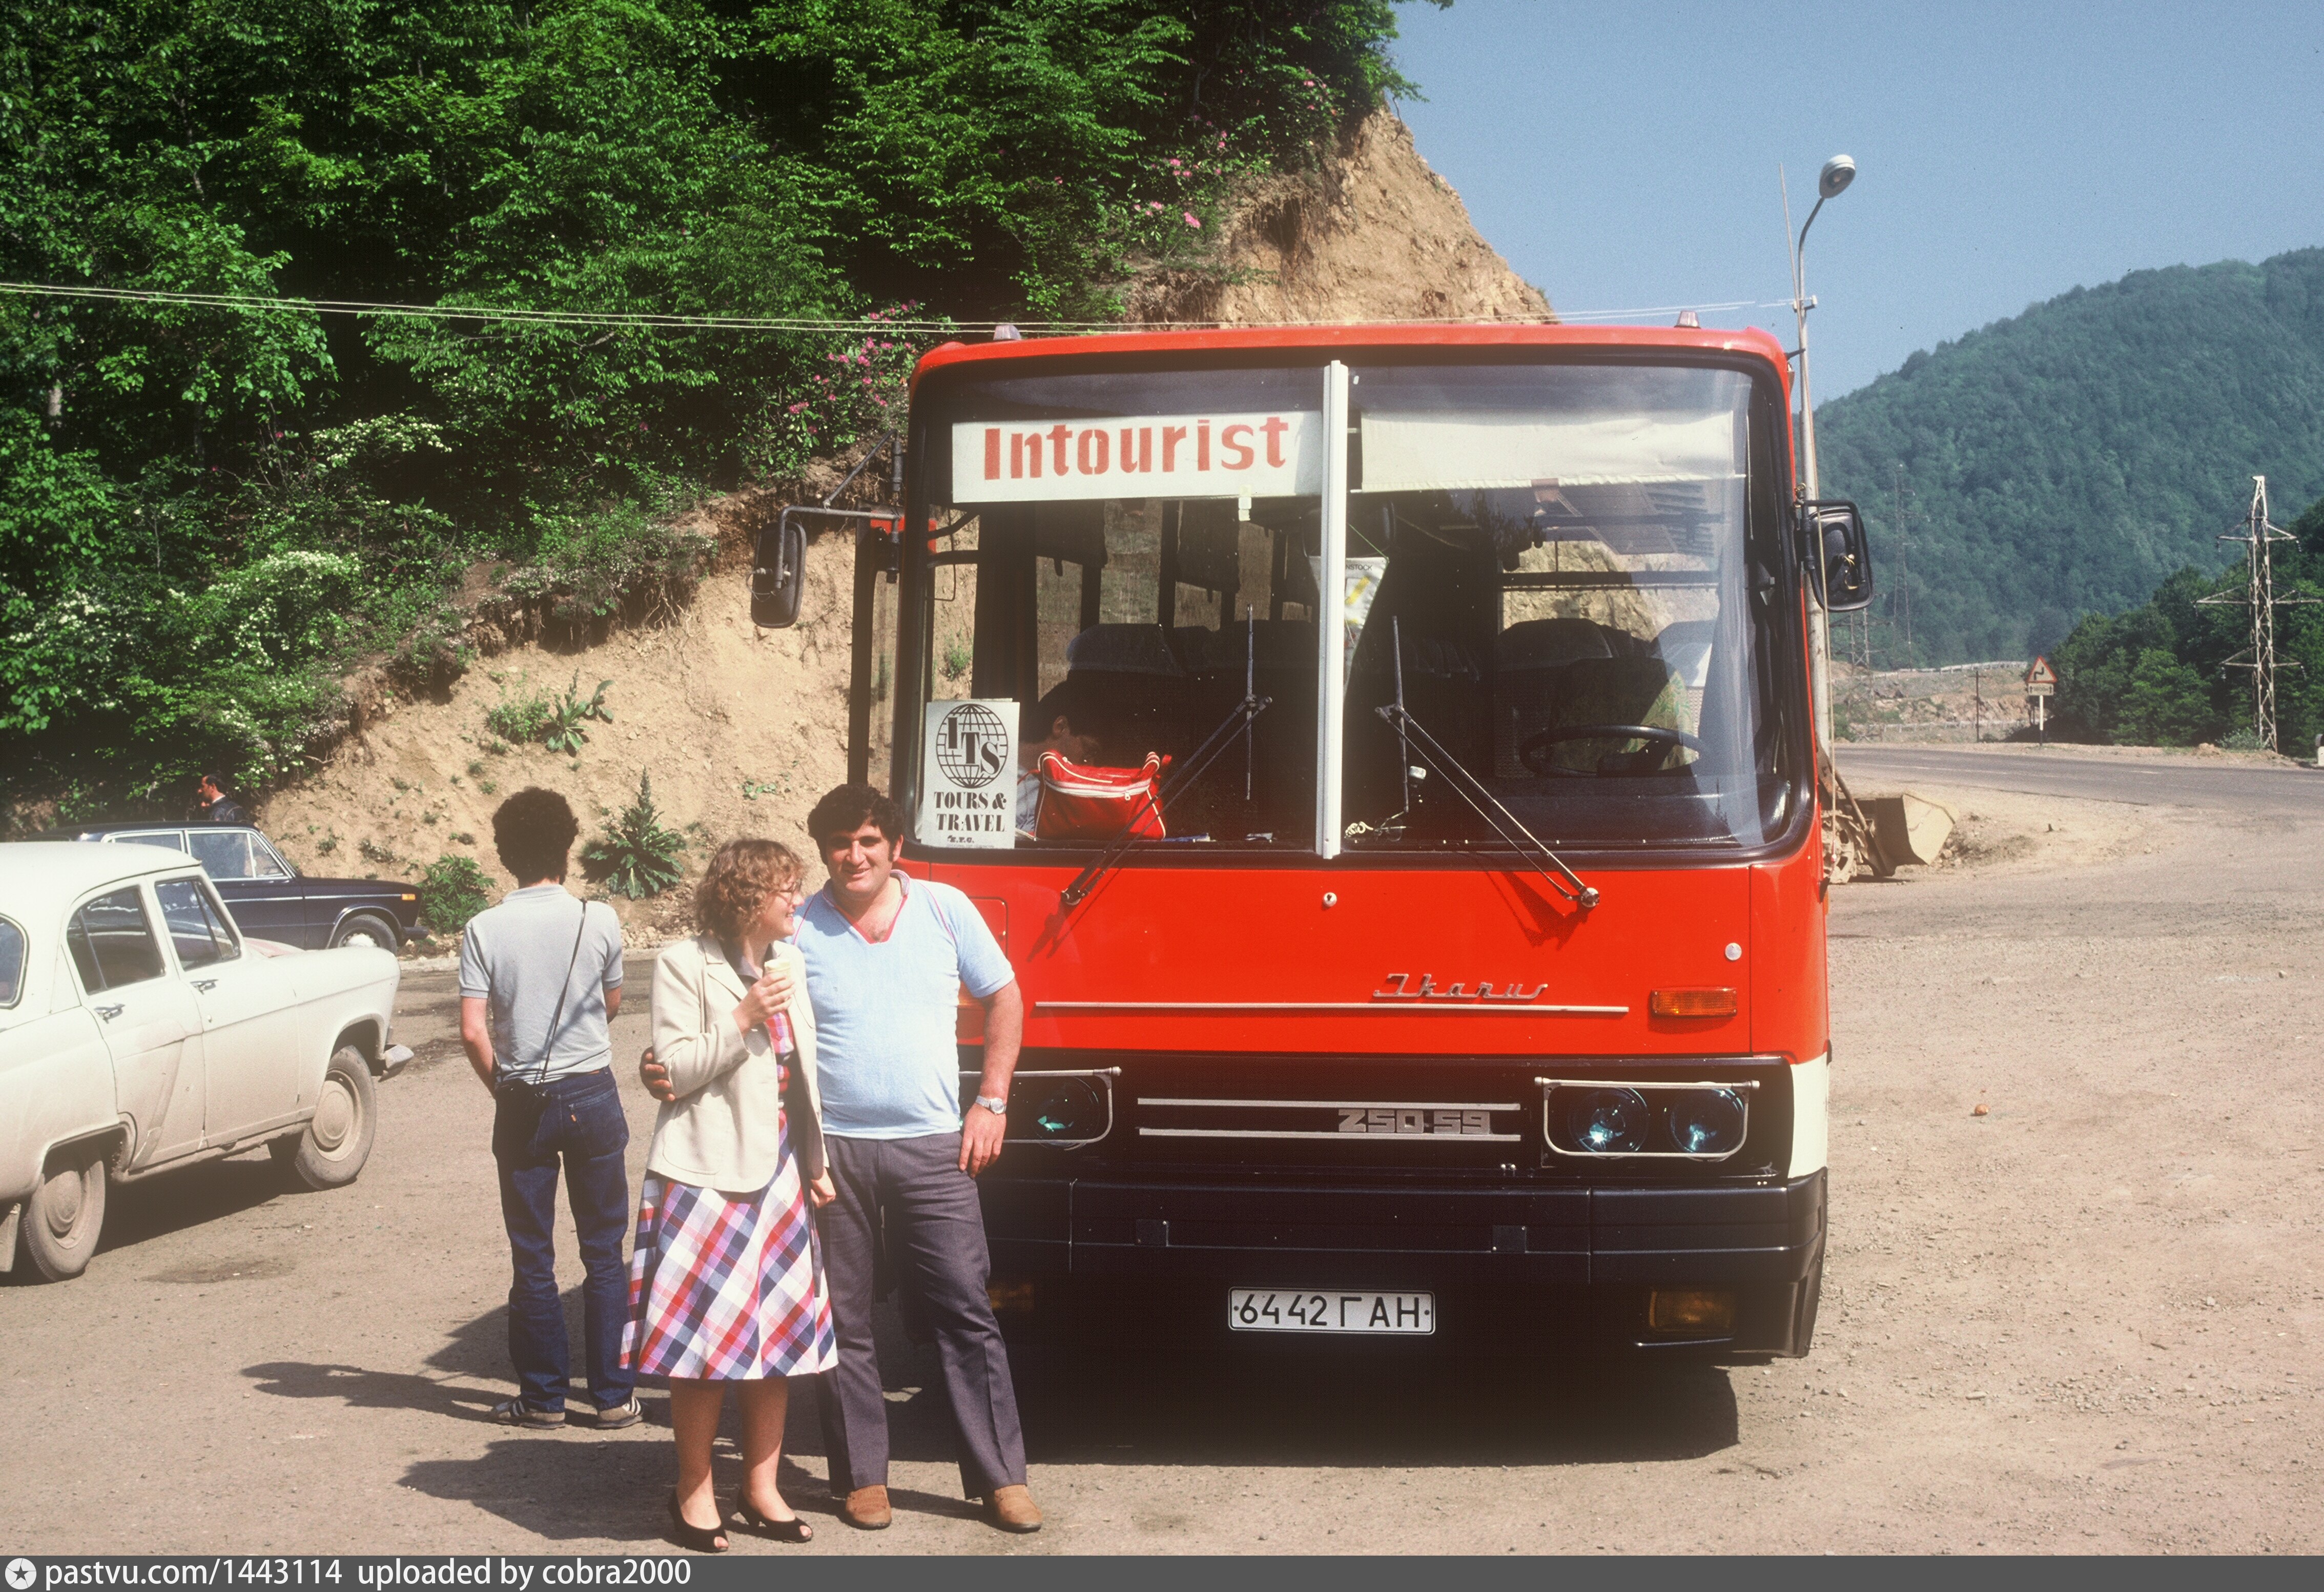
(1837, 172)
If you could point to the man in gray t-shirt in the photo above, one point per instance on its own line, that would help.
(540, 979)
(540, 946)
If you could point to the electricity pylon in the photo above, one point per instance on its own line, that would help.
(2259, 596)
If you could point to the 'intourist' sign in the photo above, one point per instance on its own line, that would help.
(1278, 454)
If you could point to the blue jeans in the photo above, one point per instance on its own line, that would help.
(579, 1121)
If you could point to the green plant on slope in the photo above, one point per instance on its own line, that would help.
(638, 854)
(564, 732)
(553, 722)
(519, 719)
(452, 890)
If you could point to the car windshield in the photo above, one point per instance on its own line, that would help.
(1550, 567)
(1115, 560)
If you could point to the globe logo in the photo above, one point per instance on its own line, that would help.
(972, 744)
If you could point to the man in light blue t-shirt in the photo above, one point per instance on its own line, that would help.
(887, 956)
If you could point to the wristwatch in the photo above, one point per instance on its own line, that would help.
(999, 1107)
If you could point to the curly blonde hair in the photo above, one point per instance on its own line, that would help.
(739, 878)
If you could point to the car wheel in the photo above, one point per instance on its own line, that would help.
(66, 1212)
(338, 1141)
(363, 928)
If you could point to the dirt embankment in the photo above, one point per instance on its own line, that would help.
(1368, 233)
(739, 728)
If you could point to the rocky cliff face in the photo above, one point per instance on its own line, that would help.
(1368, 233)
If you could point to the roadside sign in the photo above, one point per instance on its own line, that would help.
(2041, 680)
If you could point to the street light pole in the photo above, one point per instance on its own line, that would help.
(1837, 172)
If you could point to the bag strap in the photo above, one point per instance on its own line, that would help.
(549, 1044)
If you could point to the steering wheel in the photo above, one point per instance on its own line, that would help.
(1534, 751)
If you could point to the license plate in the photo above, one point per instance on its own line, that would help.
(1284, 1310)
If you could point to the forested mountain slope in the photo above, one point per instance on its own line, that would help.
(2065, 461)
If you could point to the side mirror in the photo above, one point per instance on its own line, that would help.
(779, 574)
(1839, 560)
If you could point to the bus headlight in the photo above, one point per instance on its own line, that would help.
(1058, 1110)
(1705, 1122)
(1608, 1122)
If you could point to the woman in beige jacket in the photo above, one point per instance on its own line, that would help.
(725, 1283)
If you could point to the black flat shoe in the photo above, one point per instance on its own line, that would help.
(697, 1538)
(794, 1529)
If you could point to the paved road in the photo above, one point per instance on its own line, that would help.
(2158, 780)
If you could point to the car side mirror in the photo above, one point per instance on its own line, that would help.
(1839, 559)
(779, 574)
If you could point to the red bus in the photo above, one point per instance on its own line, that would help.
(1468, 980)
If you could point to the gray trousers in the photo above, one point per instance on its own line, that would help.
(913, 1188)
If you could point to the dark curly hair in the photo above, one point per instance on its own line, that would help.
(844, 809)
(739, 878)
(534, 831)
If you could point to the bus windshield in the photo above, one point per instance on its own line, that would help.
(1567, 576)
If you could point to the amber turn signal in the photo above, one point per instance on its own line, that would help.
(1691, 1310)
(1009, 1298)
(1693, 1002)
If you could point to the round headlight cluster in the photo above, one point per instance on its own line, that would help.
(1068, 1108)
(1704, 1121)
(1609, 1121)
(1629, 1122)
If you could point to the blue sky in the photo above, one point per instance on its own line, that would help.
(1625, 156)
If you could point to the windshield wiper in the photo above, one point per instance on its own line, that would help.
(1470, 789)
(1237, 722)
(1415, 737)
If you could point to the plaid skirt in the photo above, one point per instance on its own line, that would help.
(728, 1289)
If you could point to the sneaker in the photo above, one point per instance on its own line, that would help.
(517, 1412)
(621, 1415)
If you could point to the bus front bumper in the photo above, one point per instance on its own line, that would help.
(1489, 1251)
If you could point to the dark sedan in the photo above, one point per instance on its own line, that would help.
(270, 899)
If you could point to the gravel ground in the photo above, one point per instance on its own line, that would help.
(2085, 1320)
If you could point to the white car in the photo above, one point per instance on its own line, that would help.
(141, 1032)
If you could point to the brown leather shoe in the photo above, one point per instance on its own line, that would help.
(1012, 1509)
(867, 1510)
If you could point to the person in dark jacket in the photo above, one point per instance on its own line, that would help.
(212, 802)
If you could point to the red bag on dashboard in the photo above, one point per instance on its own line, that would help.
(1079, 802)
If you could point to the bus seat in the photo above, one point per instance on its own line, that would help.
(1275, 644)
(1120, 649)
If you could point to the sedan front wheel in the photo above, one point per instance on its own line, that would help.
(65, 1213)
(338, 1140)
(363, 928)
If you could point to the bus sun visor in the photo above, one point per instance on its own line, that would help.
(1435, 451)
(1174, 456)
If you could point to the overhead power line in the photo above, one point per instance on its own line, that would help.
(756, 323)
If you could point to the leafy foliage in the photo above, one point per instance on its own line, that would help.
(638, 854)
(2064, 462)
(779, 159)
(452, 890)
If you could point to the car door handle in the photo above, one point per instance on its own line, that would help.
(205, 985)
(110, 1012)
